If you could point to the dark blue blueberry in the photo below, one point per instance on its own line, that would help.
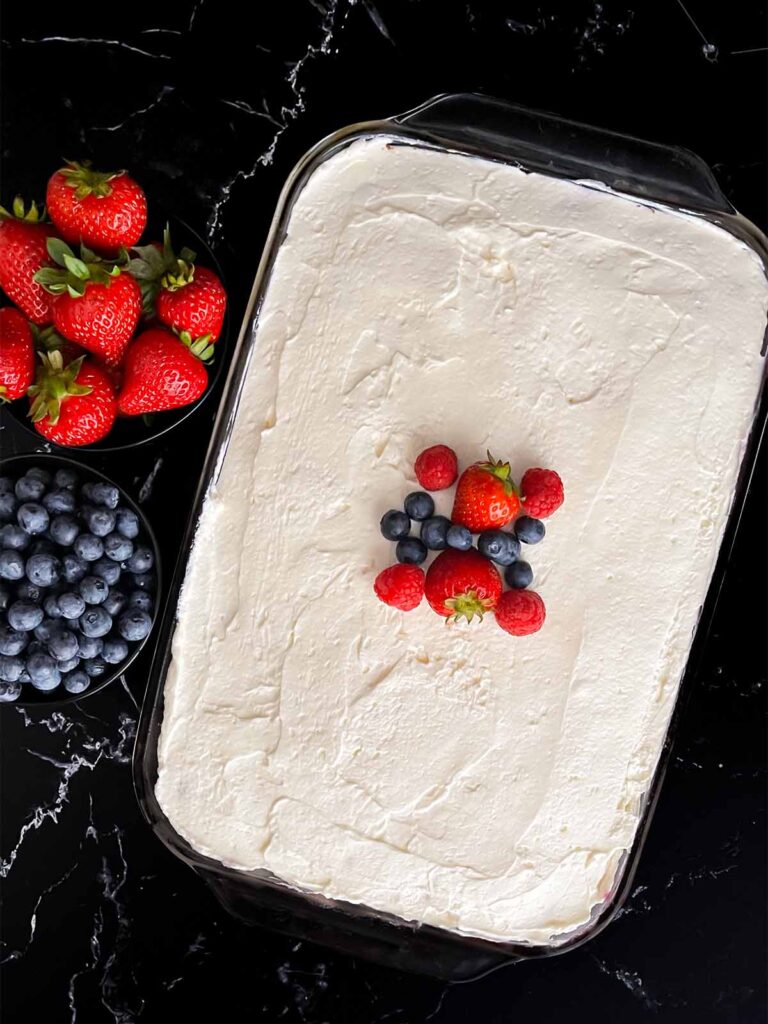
(35, 647)
(65, 478)
(89, 646)
(95, 622)
(33, 518)
(11, 641)
(117, 547)
(60, 501)
(76, 682)
(12, 536)
(40, 474)
(64, 529)
(45, 630)
(519, 575)
(529, 530)
(434, 532)
(10, 668)
(68, 665)
(62, 644)
(419, 505)
(6, 485)
(51, 607)
(30, 488)
(95, 667)
(27, 591)
(127, 523)
(102, 494)
(395, 524)
(88, 547)
(499, 546)
(140, 599)
(116, 601)
(107, 569)
(409, 550)
(141, 560)
(9, 692)
(93, 590)
(11, 564)
(71, 605)
(43, 570)
(100, 521)
(146, 580)
(459, 537)
(73, 568)
(8, 505)
(115, 650)
(43, 672)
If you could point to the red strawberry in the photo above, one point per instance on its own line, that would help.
(73, 404)
(462, 583)
(97, 305)
(162, 372)
(22, 253)
(520, 612)
(101, 210)
(542, 492)
(401, 586)
(17, 355)
(437, 467)
(486, 496)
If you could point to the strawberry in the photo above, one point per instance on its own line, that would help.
(184, 296)
(23, 252)
(401, 586)
(520, 612)
(486, 496)
(162, 371)
(17, 355)
(101, 210)
(542, 492)
(97, 305)
(436, 467)
(72, 404)
(462, 583)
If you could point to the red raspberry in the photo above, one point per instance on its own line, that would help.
(401, 586)
(437, 467)
(520, 612)
(542, 492)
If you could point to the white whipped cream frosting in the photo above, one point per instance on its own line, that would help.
(457, 775)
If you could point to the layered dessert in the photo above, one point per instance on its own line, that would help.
(454, 774)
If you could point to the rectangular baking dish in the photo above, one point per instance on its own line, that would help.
(530, 140)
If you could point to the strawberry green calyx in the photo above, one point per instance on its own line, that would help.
(47, 339)
(18, 211)
(502, 471)
(466, 606)
(54, 383)
(87, 182)
(156, 267)
(74, 275)
(202, 347)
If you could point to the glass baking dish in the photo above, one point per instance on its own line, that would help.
(469, 124)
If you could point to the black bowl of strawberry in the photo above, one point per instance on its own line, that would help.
(79, 580)
(120, 327)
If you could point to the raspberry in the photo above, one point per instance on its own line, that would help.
(401, 586)
(520, 612)
(542, 492)
(437, 467)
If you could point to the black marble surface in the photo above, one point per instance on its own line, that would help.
(210, 103)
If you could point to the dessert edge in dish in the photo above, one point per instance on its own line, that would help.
(458, 776)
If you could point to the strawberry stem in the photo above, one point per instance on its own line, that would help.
(87, 182)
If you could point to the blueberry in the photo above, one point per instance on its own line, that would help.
(499, 546)
(71, 605)
(11, 564)
(100, 521)
(6, 485)
(102, 494)
(68, 665)
(95, 667)
(76, 682)
(40, 474)
(116, 601)
(62, 644)
(43, 672)
(140, 599)
(115, 651)
(8, 505)
(11, 641)
(127, 523)
(65, 478)
(519, 575)
(136, 624)
(88, 547)
(64, 529)
(395, 524)
(89, 646)
(107, 569)
(30, 488)
(146, 580)
(43, 570)
(73, 568)
(434, 532)
(529, 530)
(459, 537)
(93, 590)
(12, 536)
(60, 501)
(35, 647)
(409, 550)
(33, 518)
(26, 591)
(10, 668)
(9, 691)
(118, 547)
(51, 607)
(419, 505)
(95, 622)
(45, 630)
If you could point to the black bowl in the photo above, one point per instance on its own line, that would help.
(132, 431)
(17, 466)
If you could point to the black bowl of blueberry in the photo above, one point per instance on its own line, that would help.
(79, 578)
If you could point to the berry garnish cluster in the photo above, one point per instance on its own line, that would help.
(111, 329)
(76, 581)
(491, 518)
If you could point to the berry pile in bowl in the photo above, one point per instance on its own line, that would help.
(79, 578)
(491, 520)
(108, 342)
